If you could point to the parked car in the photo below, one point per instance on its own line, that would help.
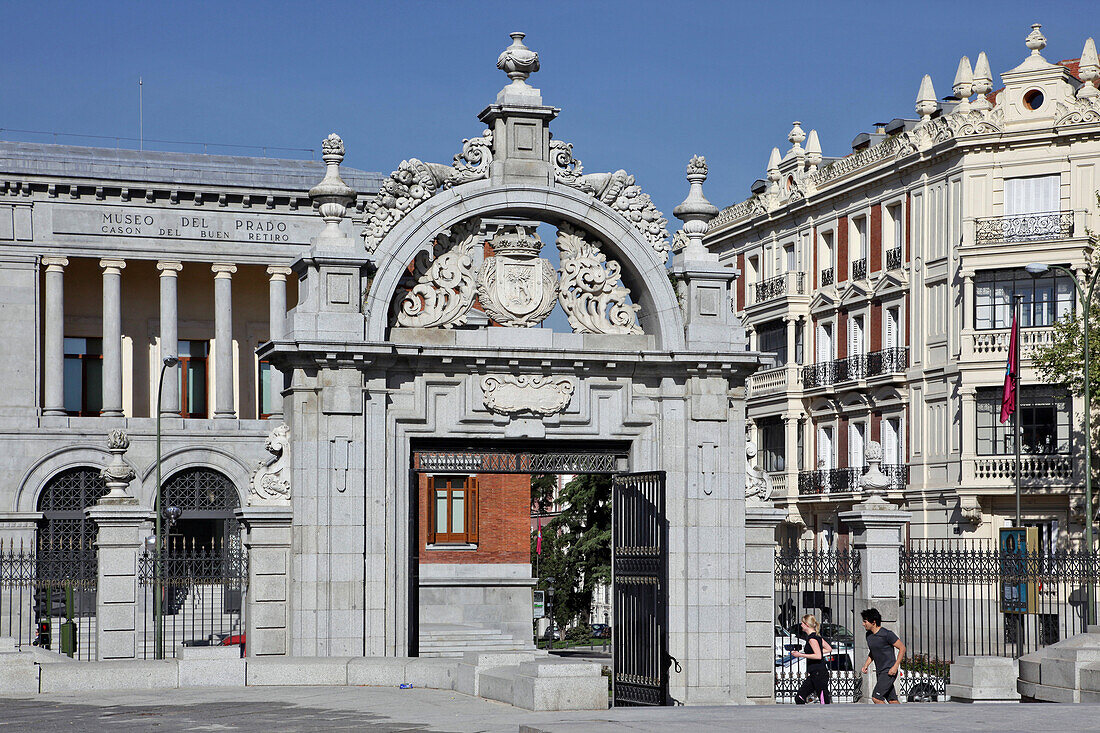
(601, 631)
(840, 659)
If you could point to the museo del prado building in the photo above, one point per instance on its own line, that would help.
(363, 384)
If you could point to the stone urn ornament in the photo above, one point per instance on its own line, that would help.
(874, 483)
(117, 474)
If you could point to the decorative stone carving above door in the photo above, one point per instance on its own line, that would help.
(514, 394)
(591, 294)
(439, 291)
(516, 287)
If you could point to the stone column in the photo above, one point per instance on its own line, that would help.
(169, 343)
(267, 539)
(760, 523)
(791, 321)
(53, 350)
(877, 528)
(223, 335)
(968, 304)
(112, 337)
(123, 526)
(277, 330)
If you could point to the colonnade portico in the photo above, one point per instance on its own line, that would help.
(225, 386)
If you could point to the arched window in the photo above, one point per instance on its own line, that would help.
(64, 526)
(207, 500)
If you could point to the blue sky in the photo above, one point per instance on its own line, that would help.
(642, 85)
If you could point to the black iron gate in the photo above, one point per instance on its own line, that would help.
(639, 572)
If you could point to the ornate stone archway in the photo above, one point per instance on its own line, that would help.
(658, 369)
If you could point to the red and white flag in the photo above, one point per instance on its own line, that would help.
(1008, 397)
(538, 541)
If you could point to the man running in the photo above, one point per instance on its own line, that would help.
(881, 646)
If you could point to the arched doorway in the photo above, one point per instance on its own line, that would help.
(207, 500)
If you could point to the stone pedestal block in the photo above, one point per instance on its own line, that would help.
(210, 666)
(123, 526)
(760, 524)
(18, 673)
(983, 679)
(267, 539)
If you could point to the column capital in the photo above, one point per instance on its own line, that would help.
(55, 264)
(279, 273)
(108, 265)
(223, 270)
(169, 268)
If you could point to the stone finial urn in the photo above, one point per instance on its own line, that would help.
(332, 195)
(117, 474)
(518, 61)
(695, 211)
(874, 483)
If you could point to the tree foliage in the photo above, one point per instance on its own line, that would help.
(576, 545)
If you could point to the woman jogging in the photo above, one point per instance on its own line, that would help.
(815, 688)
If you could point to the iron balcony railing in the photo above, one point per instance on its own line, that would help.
(1025, 227)
(847, 480)
(893, 258)
(855, 367)
(859, 269)
(827, 276)
(789, 283)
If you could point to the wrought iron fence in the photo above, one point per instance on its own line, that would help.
(855, 367)
(822, 583)
(893, 258)
(840, 480)
(48, 595)
(203, 589)
(952, 604)
(859, 269)
(1025, 227)
(827, 276)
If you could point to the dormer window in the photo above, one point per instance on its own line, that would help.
(1033, 99)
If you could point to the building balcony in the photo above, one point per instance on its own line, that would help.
(987, 345)
(1024, 227)
(827, 276)
(774, 381)
(779, 483)
(859, 269)
(789, 283)
(846, 480)
(856, 367)
(893, 258)
(1046, 470)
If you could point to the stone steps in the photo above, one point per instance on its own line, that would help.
(440, 640)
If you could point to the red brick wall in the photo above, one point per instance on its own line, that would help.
(741, 282)
(874, 263)
(842, 443)
(841, 250)
(841, 335)
(876, 426)
(876, 326)
(504, 522)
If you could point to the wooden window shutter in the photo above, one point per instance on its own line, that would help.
(472, 510)
(429, 496)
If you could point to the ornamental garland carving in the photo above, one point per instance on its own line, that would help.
(516, 287)
(270, 482)
(415, 181)
(516, 394)
(1080, 112)
(439, 291)
(591, 295)
(619, 191)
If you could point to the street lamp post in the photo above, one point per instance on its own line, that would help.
(550, 611)
(1035, 269)
(168, 360)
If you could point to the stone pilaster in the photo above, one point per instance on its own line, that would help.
(112, 337)
(53, 402)
(760, 544)
(120, 599)
(877, 536)
(277, 330)
(169, 343)
(267, 538)
(223, 337)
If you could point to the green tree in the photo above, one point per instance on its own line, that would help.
(576, 546)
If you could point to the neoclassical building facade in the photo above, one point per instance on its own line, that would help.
(882, 280)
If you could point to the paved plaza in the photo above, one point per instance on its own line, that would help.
(272, 709)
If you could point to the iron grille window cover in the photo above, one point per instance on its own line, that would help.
(893, 258)
(1025, 227)
(827, 276)
(859, 269)
(888, 361)
(482, 462)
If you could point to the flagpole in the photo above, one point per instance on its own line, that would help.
(1016, 412)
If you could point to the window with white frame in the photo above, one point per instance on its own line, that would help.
(772, 337)
(825, 448)
(856, 435)
(861, 238)
(1045, 415)
(890, 431)
(770, 430)
(892, 327)
(1032, 195)
(1045, 299)
(856, 335)
(824, 342)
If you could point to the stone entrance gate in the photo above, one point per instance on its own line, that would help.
(421, 331)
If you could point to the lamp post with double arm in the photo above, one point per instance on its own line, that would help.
(1036, 269)
(168, 360)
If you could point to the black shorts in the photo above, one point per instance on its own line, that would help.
(884, 687)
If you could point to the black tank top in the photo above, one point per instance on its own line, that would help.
(815, 664)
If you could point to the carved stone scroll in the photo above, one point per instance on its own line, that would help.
(269, 484)
(591, 295)
(517, 394)
(439, 291)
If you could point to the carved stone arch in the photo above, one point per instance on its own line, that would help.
(190, 457)
(53, 464)
(647, 279)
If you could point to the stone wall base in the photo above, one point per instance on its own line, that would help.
(983, 679)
